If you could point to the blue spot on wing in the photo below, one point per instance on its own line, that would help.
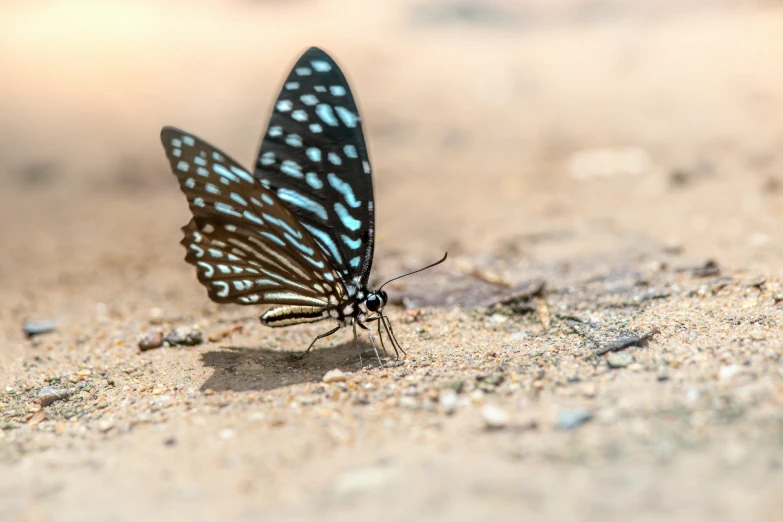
(282, 224)
(301, 201)
(350, 222)
(298, 245)
(326, 114)
(314, 153)
(349, 118)
(343, 188)
(314, 181)
(223, 171)
(353, 244)
(291, 168)
(325, 241)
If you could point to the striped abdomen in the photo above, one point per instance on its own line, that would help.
(288, 315)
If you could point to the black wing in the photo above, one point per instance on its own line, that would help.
(246, 245)
(314, 157)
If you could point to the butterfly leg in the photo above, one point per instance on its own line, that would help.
(372, 342)
(356, 345)
(390, 331)
(298, 356)
(383, 346)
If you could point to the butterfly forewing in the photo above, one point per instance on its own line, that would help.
(314, 157)
(246, 245)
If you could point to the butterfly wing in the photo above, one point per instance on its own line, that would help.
(315, 159)
(245, 244)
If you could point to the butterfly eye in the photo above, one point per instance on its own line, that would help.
(373, 303)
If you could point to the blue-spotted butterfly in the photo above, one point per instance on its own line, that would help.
(299, 232)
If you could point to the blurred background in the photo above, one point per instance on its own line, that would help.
(486, 119)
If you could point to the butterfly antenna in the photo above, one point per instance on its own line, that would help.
(436, 263)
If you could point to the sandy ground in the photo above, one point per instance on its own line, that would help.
(608, 148)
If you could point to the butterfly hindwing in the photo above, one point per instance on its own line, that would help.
(314, 157)
(246, 245)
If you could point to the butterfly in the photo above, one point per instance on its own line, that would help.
(299, 232)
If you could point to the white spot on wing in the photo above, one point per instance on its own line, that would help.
(223, 292)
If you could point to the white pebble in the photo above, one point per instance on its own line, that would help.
(494, 417)
(448, 401)
(227, 434)
(335, 375)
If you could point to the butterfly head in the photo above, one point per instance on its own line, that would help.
(376, 301)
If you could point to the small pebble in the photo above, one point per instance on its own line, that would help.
(448, 401)
(727, 373)
(150, 340)
(43, 326)
(364, 480)
(49, 395)
(619, 360)
(105, 425)
(185, 336)
(495, 379)
(498, 318)
(164, 401)
(494, 418)
(221, 334)
(156, 315)
(409, 402)
(457, 385)
(335, 375)
(227, 434)
(37, 418)
(570, 419)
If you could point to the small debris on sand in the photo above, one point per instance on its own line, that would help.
(150, 341)
(185, 336)
(572, 418)
(335, 375)
(32, 328)
(47, 395)
(494, 417)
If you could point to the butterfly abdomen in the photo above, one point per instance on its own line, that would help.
(289, 315)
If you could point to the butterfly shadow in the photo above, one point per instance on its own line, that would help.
(240, 368)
